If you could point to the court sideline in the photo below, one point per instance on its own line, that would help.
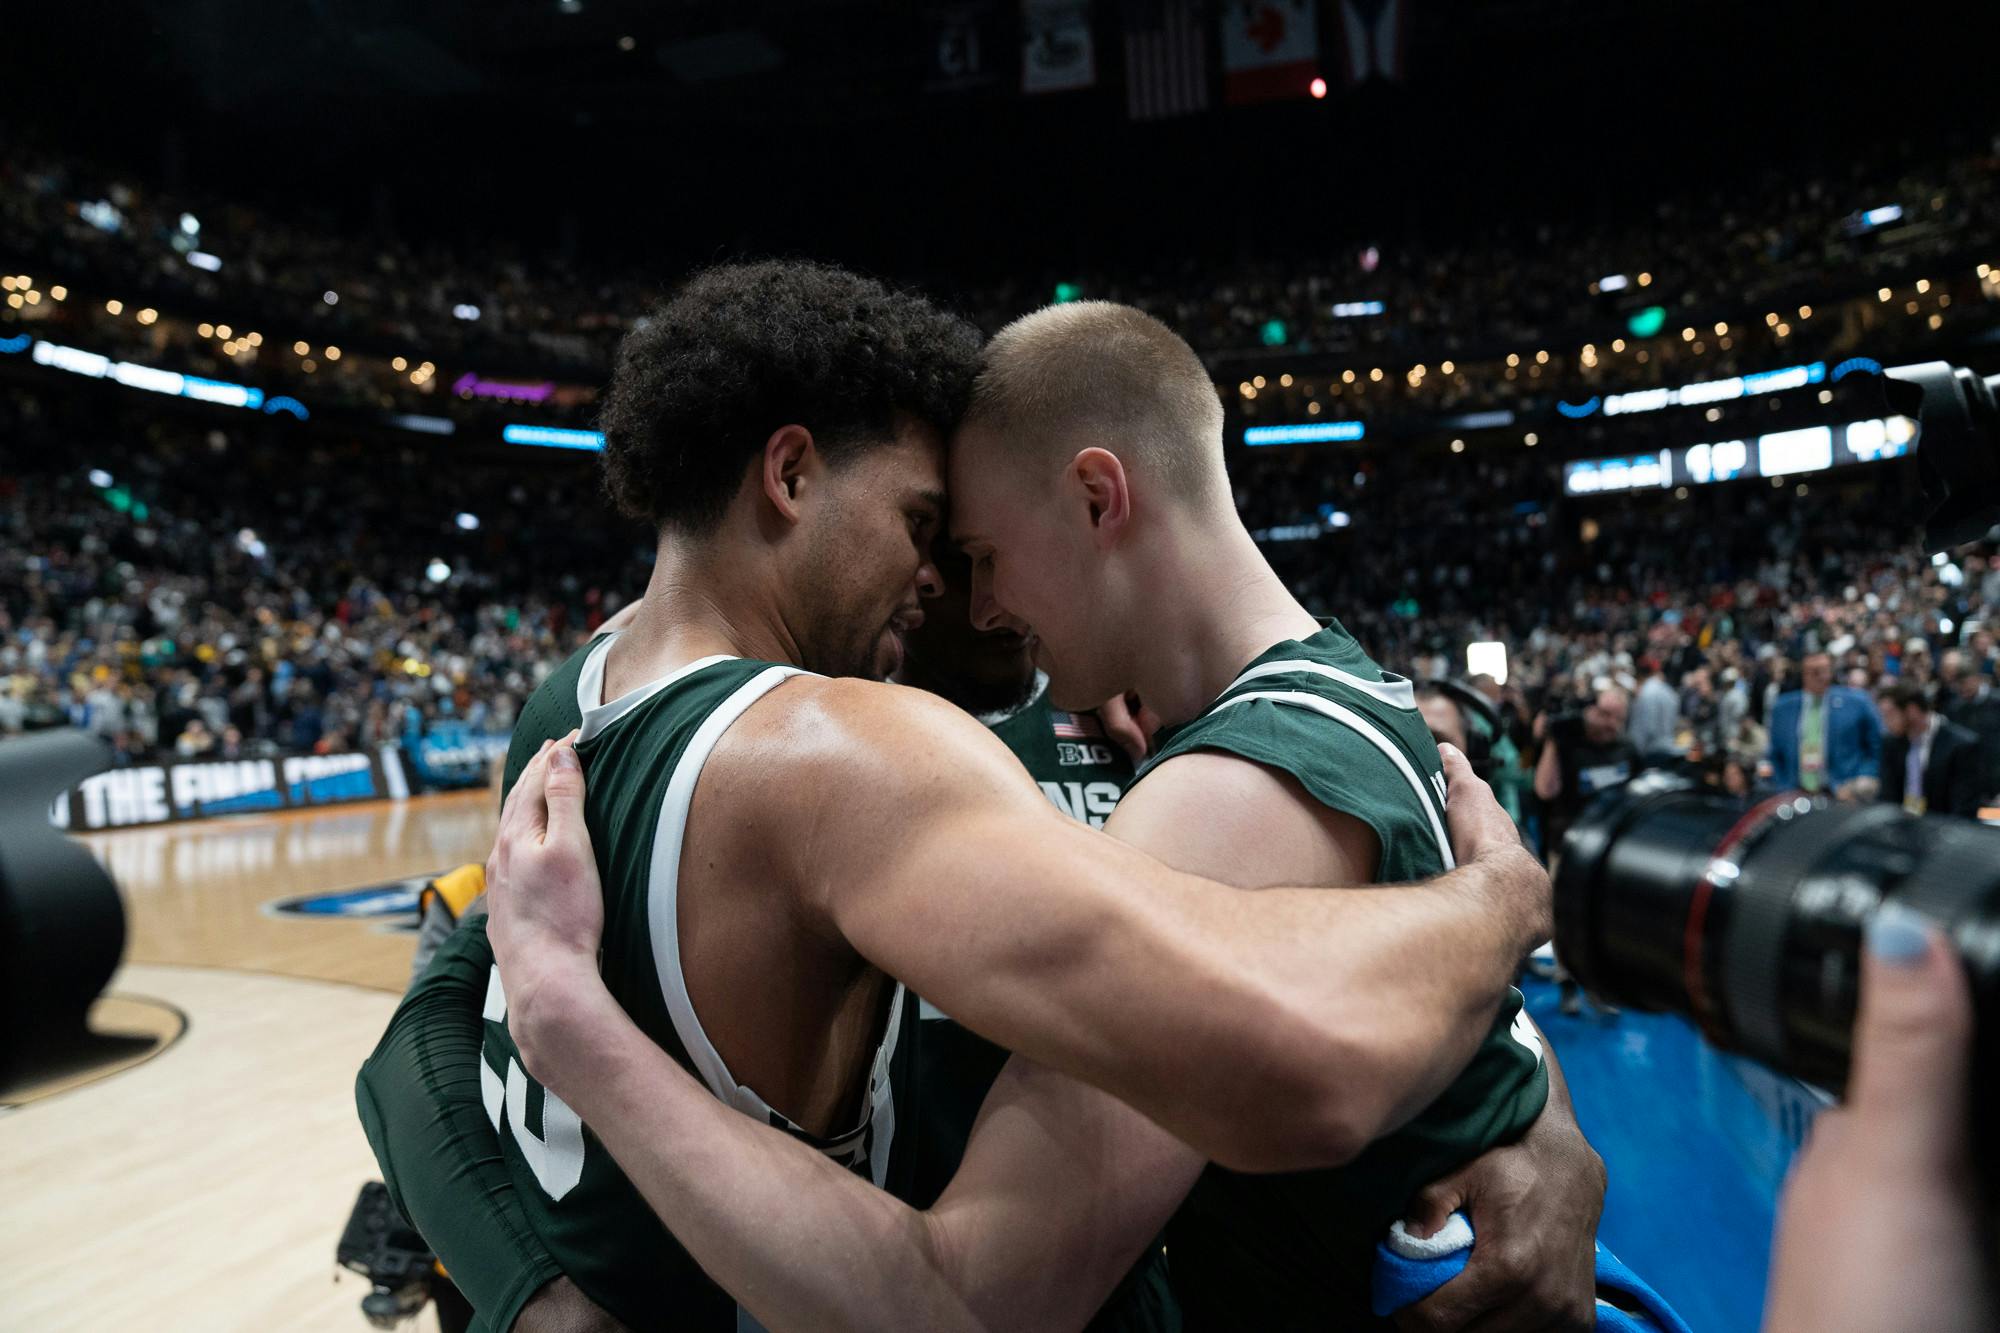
(206, 1187)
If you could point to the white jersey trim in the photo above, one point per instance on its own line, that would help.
(1391, 689)
(1357, 723)
(597, 714)
(663, 924)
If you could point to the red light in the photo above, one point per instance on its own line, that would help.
(1318, 89)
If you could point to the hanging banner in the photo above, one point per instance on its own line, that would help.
(1056, 51)
(1270, 49)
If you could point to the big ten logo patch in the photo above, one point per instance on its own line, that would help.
(1077, 754)
(1088, 802)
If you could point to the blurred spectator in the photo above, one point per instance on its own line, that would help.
(1656, 714)
(1929, 762)
(1584, 755)
(1826, 737)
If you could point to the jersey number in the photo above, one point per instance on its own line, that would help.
(556, 1157)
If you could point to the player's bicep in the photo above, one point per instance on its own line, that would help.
(1235, 820)
(1061, 1189)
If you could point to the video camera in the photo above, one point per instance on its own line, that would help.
(1748, 918)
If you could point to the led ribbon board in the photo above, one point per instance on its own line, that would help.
(171, 382)
(1315, 433)
(553, 437)
(1779, 454)
(1714, 391)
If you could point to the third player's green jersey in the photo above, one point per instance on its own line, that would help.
(1293, 1251)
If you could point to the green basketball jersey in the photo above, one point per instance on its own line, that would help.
(1293, 1251)
(1082, 772)
(1079, 768)
(644, 752)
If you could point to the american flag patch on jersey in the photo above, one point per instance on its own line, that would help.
(1076, 726)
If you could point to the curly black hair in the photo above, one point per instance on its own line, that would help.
(742, 349)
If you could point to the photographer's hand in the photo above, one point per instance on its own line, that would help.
(1880, 1227)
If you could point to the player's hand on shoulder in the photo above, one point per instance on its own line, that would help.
(1475, 818)
(546, 904)
(1482, 832)
(1129, 725)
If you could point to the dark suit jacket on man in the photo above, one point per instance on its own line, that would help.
(1954, 775)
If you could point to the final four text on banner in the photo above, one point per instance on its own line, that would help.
(1270, 49)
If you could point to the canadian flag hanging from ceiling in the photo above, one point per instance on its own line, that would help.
(1270, 49)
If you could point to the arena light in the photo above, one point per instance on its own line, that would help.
(1275, 333)
(1630, 473)
(1715, 391)
(330, 296)
(1321, 432)
(467, 522)
(1067, 292)
(203, 260)
(99, 478)
(74, 360)
(17, 344)
(1870, 219)
(100, 214)
(148, 378)
(1356, 309)
(1777, 455)
(1645, 323)
(1578, 411)
(1613, 282)
(437, 571)
(469, 385)
(553, 437)
(286, 403)
(1487, 658)
(423, 425)
(1479, 420)
(1809, 449)
(465, 311)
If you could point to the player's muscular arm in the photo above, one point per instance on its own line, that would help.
(1053, 1202)
(1244, 1026)
(1418, 1003)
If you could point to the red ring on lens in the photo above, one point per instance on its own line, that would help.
(1694, 975)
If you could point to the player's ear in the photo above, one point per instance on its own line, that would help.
(789, 460)
(1106, 490)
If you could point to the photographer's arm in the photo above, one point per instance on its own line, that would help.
(1548, 770)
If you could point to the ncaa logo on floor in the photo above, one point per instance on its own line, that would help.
(393, 904)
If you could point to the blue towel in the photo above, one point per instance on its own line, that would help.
(1401, 1281)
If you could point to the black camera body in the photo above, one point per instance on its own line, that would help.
(1747, 918)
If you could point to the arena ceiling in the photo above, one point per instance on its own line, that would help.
(820, 125)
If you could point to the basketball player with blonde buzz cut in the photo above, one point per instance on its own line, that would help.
(1089, 491)
(771, 841)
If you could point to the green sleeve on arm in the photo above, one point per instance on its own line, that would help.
(419, 1099)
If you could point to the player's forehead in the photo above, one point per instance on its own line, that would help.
(979, 471)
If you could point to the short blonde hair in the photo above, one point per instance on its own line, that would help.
(1097, 372)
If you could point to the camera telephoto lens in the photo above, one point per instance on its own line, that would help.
(1747, 917)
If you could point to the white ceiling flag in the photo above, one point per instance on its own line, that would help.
(1056, 51)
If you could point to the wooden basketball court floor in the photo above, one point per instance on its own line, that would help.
(205, 1187)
